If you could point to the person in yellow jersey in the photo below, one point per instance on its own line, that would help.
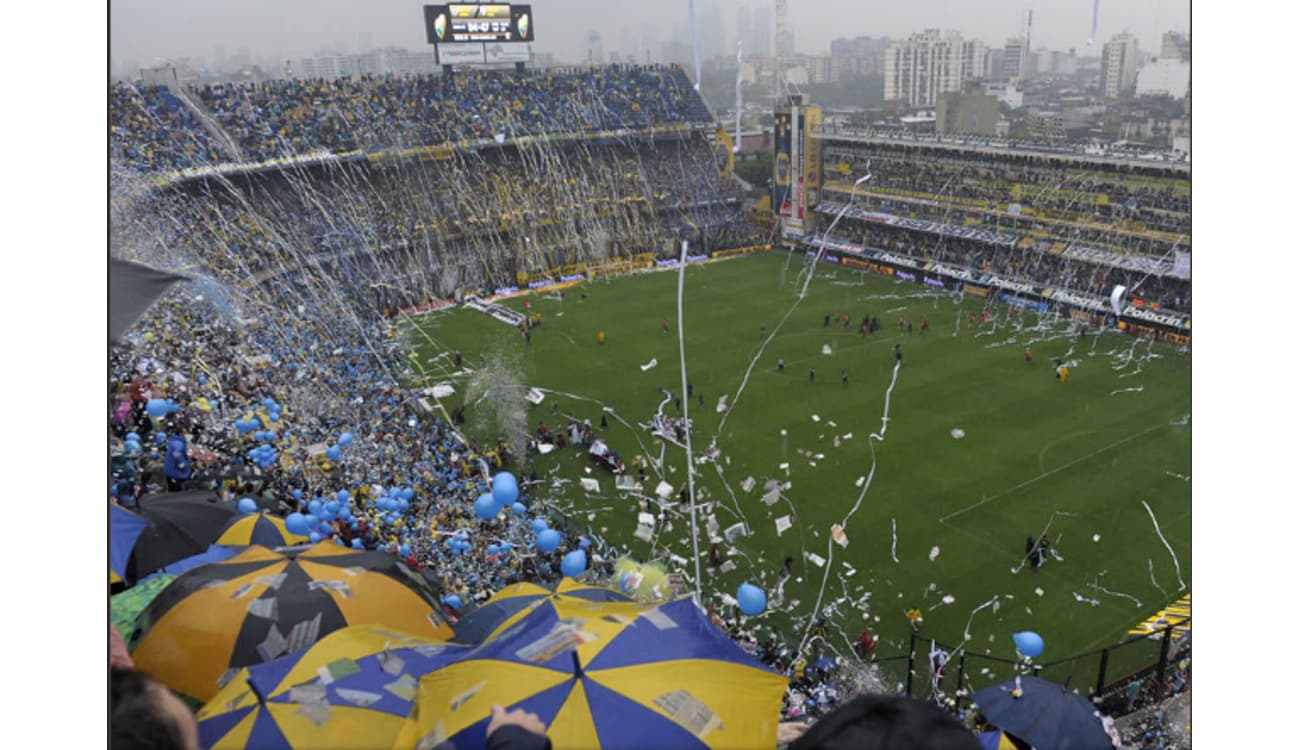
(600, 338)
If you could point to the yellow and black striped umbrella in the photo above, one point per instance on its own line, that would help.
(261, 604)
(259, 528)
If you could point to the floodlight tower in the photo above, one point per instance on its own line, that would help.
(783, 51)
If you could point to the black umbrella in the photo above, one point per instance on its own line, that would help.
(132, 289)
(181, 524)
(1044, 714)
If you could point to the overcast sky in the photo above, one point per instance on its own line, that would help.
(285, 29)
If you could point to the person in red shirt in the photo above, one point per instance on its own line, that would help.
(867, 644)
(665, 324)
(901, 321)
(1029, 356)
(970, 319)
(925, 324)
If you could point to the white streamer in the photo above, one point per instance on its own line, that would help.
(686, 402)
(1177, 568)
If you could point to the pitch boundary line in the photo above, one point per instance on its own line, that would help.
(1045, 475)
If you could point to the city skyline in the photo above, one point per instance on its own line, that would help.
(145, 32)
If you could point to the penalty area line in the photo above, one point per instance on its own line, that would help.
(1045, 475)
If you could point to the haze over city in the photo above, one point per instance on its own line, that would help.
(144, 31)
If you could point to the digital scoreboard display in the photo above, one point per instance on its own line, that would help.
(478, 22)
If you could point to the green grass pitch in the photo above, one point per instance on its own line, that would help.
(1076, 459)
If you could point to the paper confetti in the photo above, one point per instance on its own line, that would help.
(934, 552)
(316, 713)
(816, 418)
(1038, 591)
(1096, 537)
(837, 533)
(363, 698)
(783, 524)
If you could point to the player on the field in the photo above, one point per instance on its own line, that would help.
(898, 352)
(925, 324)
(1029, 356)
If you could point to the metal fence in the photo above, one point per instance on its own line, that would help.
(1119, 679)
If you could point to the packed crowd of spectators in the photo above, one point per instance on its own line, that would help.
(1051, 189)
(1034, 265)
(219, 373)
(154, 131)
(422, 227)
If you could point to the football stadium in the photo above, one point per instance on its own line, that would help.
(497, 388)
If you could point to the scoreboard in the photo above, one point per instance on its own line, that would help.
(478, 22)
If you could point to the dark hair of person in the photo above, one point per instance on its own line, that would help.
(136, 721)
(887, 722)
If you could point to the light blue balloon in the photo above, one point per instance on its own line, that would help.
(404, 550)
(356, 543)
(584, 543)
(156, 407)
(408, 494)
(548, 540)
(247, 505)
(297, 494)
(345, 439)
(333, 453)
(539, 525)
(343, 496)
(313, 519)
(315, 506)
(573, 563)
(505, 488)
(296, 523)
(518, 509)
(314, 537)
(453, 601)
(752, 599)
(486, 507)
(1028, 643)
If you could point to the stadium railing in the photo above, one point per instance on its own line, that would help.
(1105, 676)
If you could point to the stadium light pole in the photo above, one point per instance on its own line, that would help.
(821, 250)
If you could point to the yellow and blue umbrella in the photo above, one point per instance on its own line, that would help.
(355, 688)
(124, 528)
(606, 675)
(512, 603)
(995, 740)
(261, 604)
(259, 528)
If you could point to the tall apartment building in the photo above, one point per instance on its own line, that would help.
(930, 64)
(1119, 65)
(1015, 60)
